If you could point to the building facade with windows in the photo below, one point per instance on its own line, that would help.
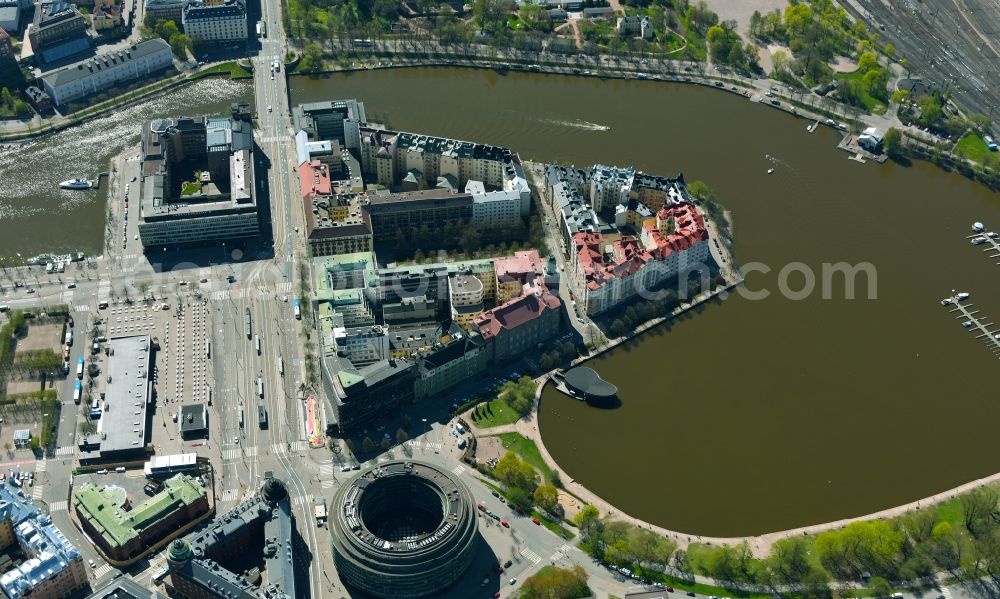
(96, 75)
(214, 23)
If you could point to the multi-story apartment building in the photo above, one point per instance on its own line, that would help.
(514, 272)
(59, 30)
(107, 70)
(225, 205)
(518, 326)
(335, 222)
(53, 568)
(215, 23)
(465, 294)
(454, 362)
(166, 10)
(337, 120)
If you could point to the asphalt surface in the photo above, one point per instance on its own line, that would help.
(953, 44)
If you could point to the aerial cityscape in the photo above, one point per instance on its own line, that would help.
(531, 299)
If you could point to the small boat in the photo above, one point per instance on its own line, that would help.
(76, 184)
(962, 296)
(978, 240)
(770, 170)
(946, 301)
(978, 227)
(967, 324)
(993, 235)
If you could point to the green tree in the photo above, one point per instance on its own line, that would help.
(900, 95)
(312, 58)
(547, 498)
(893, 142)
(515, 473)
(556, 583)
(879, 586)
(588, 520)
(401, 436)
(867, 61)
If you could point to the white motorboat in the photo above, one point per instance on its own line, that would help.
(962, 296)
(770, 171)
(76, 184)
(978, 227)
(967, 324)
(978, 240)
(946, 301)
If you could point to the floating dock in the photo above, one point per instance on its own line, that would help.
(990, 245)
(987, 332)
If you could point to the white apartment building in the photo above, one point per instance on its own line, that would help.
(107, 70)
(216, 23)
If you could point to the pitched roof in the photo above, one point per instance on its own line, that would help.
(515, 313)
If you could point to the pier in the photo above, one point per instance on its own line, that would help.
(812, 128)
(990, 242)
(987, 332)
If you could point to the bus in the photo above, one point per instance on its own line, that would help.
(295, 306)
(261, 29)
(79, 367)
(95, 408)
(281, 366)
(77, 390)
(260, 387)
(246, 324)
(256, 342)
(261, 417)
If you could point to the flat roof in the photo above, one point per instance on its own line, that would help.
(123, 422)
(194, 418)
(587, 381)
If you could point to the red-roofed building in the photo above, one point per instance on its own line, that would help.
(514, 272)
(511, 329)
(618, 272)
(314, 180)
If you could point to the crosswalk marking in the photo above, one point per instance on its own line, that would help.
(298, 445)
(326, 475)
(530, 555)
(946, 592)
(36, 493)
(40, 466)
(560, 552)
(303, 499)
(81, 308)
(458, 470)
(229, 495)
(103, 570)
(59, 506)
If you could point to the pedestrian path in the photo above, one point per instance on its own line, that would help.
(229, 495)
(560, 552)
(530, 555)
(326, 475)
(302, 499)
(64, 451)
(103, 570)
(36, 492)
(59, 506)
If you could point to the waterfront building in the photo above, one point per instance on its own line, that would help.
(53, 568)
(166, 10)
(219, 206)
(215, 22)
(122, 534)
(338, 120)
(104, 71)
(7, 56)
(871, 140)
(58, 31)
(196, 565)
(515, 328)
(121, 412)
(39, 99)
(335, 220)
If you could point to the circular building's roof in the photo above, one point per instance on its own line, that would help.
(180, 550)
(274, 491)
(588, 382)
(403, 529)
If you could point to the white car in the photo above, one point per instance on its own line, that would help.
(269, 108)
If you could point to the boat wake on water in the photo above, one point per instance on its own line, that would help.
(585, 125)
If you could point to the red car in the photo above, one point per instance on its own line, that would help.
(505, 524)
(536, 521)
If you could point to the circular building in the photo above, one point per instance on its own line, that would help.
(586, 384)
(403, 529)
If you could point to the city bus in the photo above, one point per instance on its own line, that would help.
(256, 342)
(79, 367)
(95, 408)
(77, 390)
(295, 306)
(208, 349)
(246, 324)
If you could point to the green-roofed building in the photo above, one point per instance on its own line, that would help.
(122, 534)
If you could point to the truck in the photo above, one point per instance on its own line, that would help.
(261, 417)
(295, 306)
(261, 29)
(260, 387)
(256, 342)
(319, 511)
(79, 367)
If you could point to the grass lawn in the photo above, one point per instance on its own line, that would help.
(230, 68)
(190, 188)
(527, 451)
(971, 146)
(871, 104)
(499, 414)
